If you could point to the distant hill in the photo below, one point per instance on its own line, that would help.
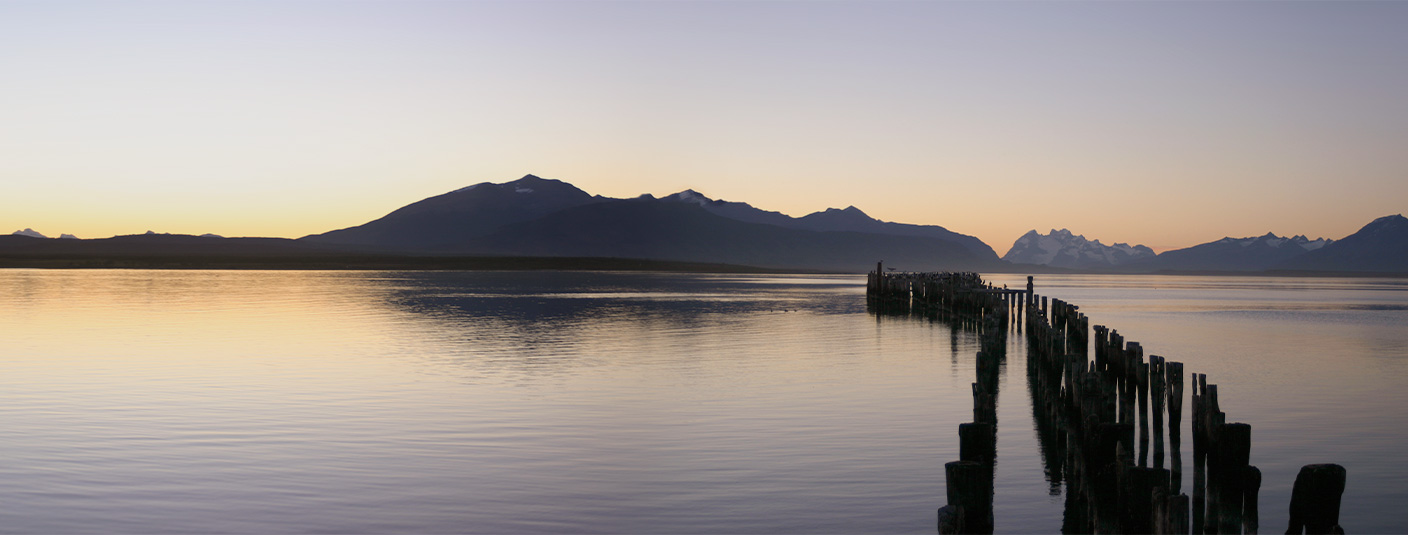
(1381, 246)
(534, 216)
(1255, 253)
(547, 219)
(850, 219)
(738, 211)
(537, 223)
(153, 244)
(175, 251)
(1063, 249)
(447, 220)
(664, 230)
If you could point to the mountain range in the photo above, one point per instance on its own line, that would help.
(1381, 246)
(849, 219)
(536, 218)
(1234, 254)
(533, 216)
(1061, 248)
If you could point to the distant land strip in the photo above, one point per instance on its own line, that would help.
(373, 263)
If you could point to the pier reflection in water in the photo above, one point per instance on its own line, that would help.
(1085, 416)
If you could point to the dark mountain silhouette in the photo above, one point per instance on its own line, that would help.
(1255, 253)
(738, 211)
(535, 223)
(540, 217)
(659, 229)
(1381, 246)
(851, 219)
(457, 216)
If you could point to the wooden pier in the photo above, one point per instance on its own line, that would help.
(1098, 420)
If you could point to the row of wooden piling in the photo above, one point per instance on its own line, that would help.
(966, 302)
(970, 479)
(960, 298)
(1099, 407)
(1087, 413)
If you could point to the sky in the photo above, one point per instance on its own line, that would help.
(1160, 123)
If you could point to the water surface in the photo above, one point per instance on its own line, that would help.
(356, 402)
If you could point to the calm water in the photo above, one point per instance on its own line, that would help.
(349, 402)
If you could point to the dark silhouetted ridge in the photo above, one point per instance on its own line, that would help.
(661, 229)
(460, 215)
(1380, 246)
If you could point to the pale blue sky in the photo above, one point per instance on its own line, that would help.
(1161, 123)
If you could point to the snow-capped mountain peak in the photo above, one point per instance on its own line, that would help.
(1273, 241)
(690, 196)
(1238, 254)
(1311, 245)
(1063, 248)
(29, 232)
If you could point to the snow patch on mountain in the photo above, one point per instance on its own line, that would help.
(1273, 241)
(690, 196)
(1311, 245)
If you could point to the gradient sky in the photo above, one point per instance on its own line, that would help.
(1167, 124)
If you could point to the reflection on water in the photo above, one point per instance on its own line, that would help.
(141, 401)
(161, 401)
(1315, 365)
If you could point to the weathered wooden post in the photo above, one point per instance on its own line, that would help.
(949, 520)
(984, 404)
(1137, 508)
(1199, 454)
(1162, 512)
(1315, 500)
(1102, 343)
(1140, 377)
(1213, 418)
(1178, 514)
(977, 441)
(1234, 442)
(968, 491)
(1174, 371)
(1156, 398)
(1110, 449)
(1251, 487)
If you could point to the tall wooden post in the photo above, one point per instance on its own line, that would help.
(1315, 499)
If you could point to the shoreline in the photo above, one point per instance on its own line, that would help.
(375, 263)
(337, 262)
